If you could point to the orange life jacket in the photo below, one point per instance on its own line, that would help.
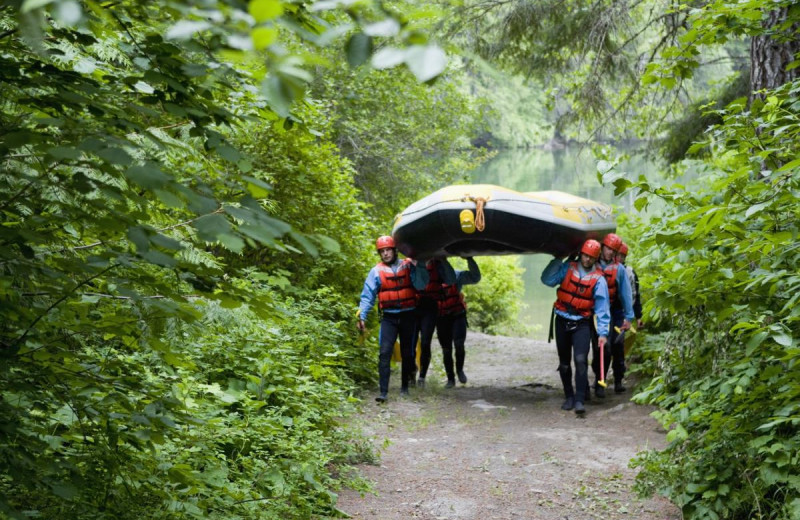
(452, 301)
(396, 290)
(575, 295)
(433, 290)
(610, 272)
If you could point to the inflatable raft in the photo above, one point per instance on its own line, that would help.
(482, 219)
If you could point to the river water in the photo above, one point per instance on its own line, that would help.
(572, 170)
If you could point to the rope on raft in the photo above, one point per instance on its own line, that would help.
(480, 218)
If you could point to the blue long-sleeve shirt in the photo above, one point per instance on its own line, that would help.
(623, 291)
(554, 274)
(372, 285)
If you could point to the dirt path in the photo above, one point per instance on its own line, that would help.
(501, 447)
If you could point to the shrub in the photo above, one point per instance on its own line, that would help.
(494, 303)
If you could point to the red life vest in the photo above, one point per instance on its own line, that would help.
(396, 291)
(433, 290)
(452, 301)
(610, 272)
(576, 294)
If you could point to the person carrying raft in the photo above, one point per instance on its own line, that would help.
(439, 272)
(582, 293)
(621, 305)
(452, 325)
(394, 283)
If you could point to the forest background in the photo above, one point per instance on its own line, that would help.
(191, 191)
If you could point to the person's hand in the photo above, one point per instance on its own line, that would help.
(413, 261)
(601, 341)
(361, 325)
(625, 325)
(639, 324)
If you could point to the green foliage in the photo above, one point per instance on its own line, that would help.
(156, 360)
(115, 180)
(239, 423)
(720, 270)
(264, 396)
(513, 112)
(404, 139)
(597, 61)
(584, 53)
(684, 133)
(494, 303)
(390, 35)
(312, 189)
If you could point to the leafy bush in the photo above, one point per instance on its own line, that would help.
(494, 303)
(720, 268)
(403, 138)
(176, 334)
(244, 420)
(313, 191)
(270, 394)
(147, 368)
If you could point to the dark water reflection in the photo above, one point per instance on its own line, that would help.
(572, 170)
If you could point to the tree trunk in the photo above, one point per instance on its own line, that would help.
(770, 53)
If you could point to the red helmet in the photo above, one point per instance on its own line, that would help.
(384, 242)
(623, 249)
(592, 248)
(612, 241)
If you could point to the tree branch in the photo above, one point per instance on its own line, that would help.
(16, 196)
(173, 226)
(7, 33)
(59, 301)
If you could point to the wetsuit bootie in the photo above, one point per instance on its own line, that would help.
(381, 398)
(462, 377)
(569, 403)
(421, 383)
(599, 391)
(618, 386)
(404, 392)
(579, 408)
(450, 383)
